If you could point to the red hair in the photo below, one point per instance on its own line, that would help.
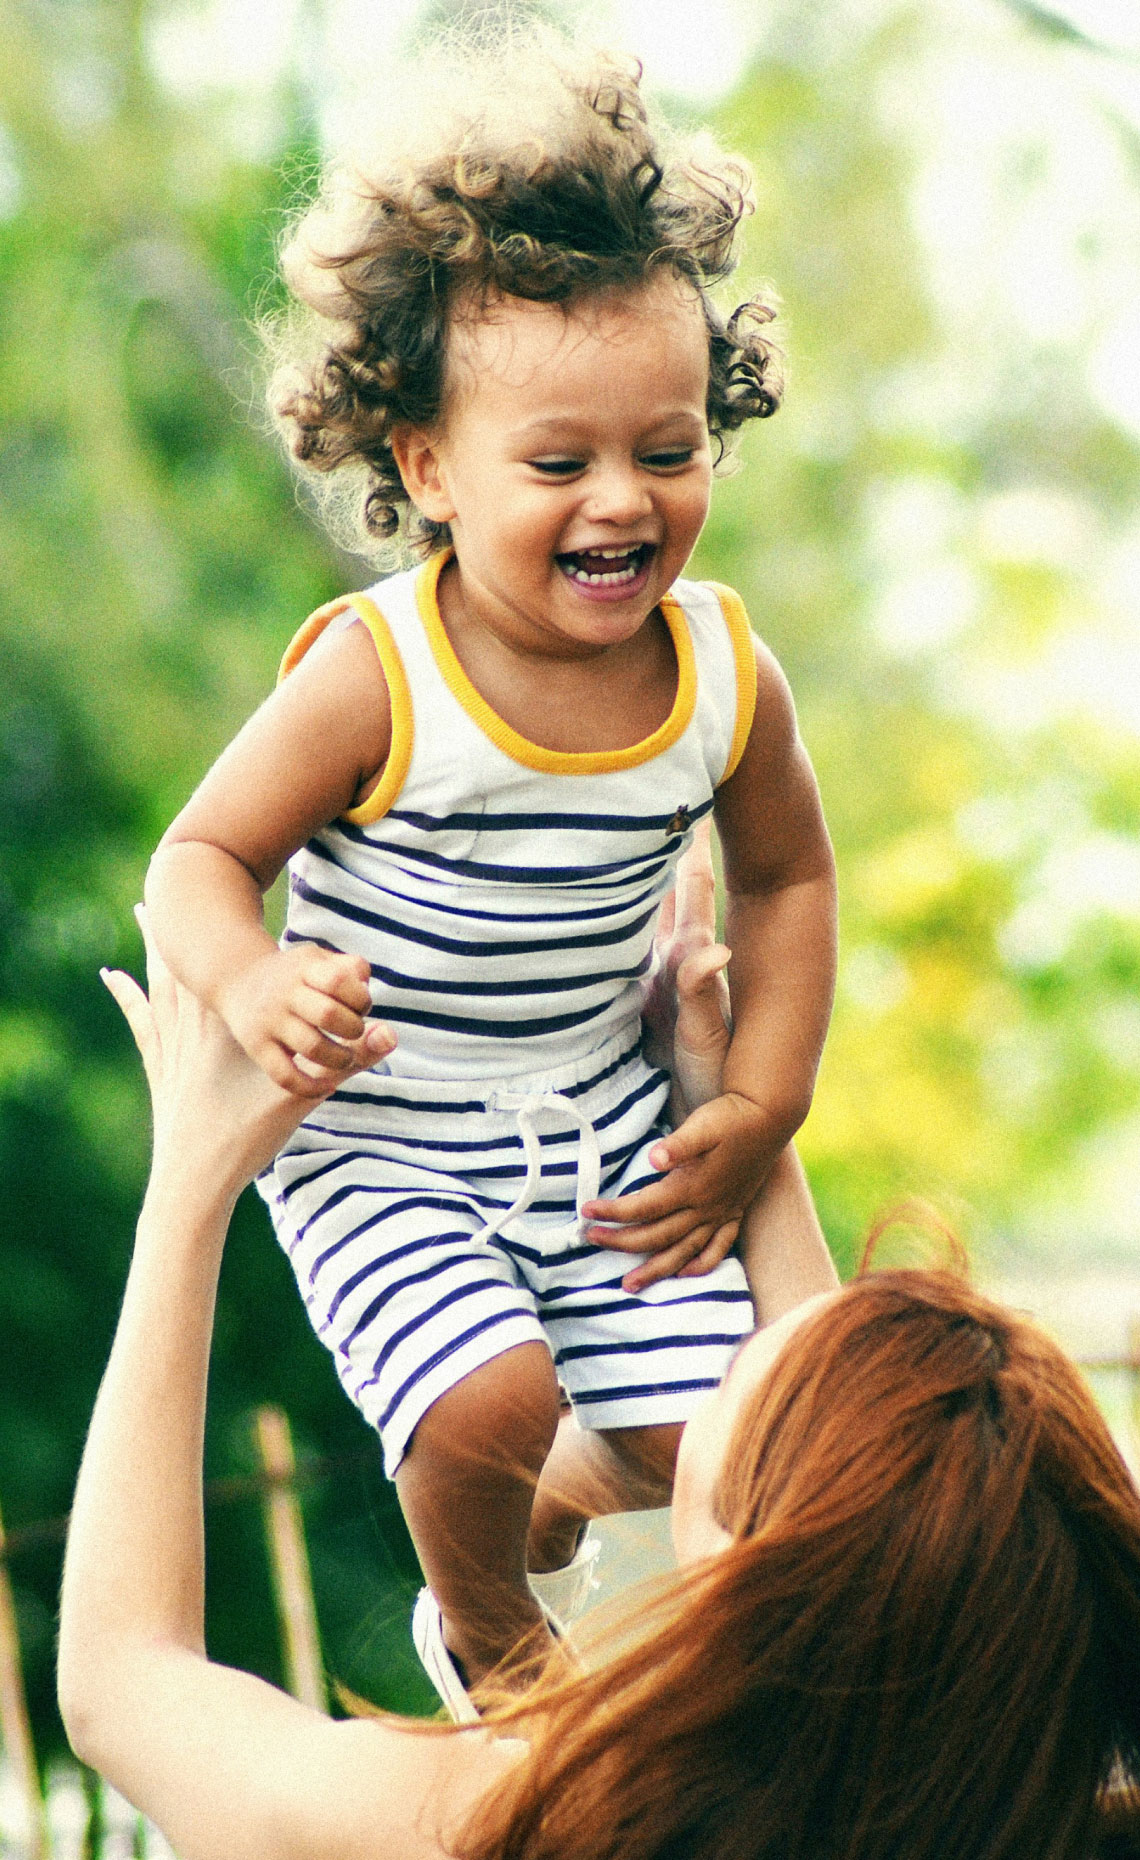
(924, 1641)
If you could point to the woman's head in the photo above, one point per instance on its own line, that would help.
(529, 173)
(918, 1632)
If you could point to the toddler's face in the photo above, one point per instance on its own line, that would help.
(572, 462)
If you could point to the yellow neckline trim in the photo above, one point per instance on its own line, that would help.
(533, 755)
(395, 770)
(744, 658)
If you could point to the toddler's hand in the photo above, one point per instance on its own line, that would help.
(711, 1169)
(299, 1012)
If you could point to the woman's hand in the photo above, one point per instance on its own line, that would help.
(214, 1109)
(687, 1009)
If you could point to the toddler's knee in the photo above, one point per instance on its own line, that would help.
(503, 1415)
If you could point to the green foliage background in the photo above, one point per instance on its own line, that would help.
(154, 558)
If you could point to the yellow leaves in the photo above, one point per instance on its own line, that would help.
(901, 880)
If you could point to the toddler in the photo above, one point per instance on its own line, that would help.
(483, 772)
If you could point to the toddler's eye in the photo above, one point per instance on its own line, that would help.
(556, 468)
(671, 459)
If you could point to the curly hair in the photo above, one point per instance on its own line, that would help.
(531, 172)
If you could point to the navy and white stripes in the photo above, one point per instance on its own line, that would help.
(505, 898)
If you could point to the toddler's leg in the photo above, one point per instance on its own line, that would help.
(593, 1472)
(467, 1485)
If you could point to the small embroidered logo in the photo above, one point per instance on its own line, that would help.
(681, 821)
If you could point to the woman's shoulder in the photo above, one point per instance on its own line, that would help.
(382, 1789)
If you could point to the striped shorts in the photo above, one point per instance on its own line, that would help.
(431, 1226)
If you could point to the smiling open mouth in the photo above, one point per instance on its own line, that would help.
(605, 568)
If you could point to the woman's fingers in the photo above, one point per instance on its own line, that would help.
(700, 967)
(667, 918)
(162, 989)
(695, 893)
(136, 1011)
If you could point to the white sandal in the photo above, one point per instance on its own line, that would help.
(560, 1593)
(427, 1634)
(564, 1593)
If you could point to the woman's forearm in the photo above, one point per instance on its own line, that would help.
(133, 1577)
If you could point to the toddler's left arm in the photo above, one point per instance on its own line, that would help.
(780, 926)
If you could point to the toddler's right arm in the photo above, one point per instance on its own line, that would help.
(313, 749)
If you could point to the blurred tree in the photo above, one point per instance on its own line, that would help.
(922, 535)
(153, 559)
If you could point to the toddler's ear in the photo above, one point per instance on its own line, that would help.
(416, 453)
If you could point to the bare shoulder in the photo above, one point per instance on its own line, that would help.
(230, 1768)
(341, 679)
(312, 751)
(773, 748)
(768, 812)
(775, 715)
(376, 1790)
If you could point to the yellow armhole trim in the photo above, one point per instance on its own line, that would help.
(534, 755)
(395, 770)
(744, 658)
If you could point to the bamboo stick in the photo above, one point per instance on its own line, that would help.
(292, 1581)
(15, 1728)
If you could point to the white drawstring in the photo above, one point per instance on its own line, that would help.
(526, 1110)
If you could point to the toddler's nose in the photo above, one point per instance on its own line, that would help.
(618, 495)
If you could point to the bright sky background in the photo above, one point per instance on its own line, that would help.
(698, 51)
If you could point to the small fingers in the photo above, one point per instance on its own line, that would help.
(344, 978)
(296, 1074)
(352, 1056)
(648, 1237)
(700, 1133)
(712, 1253)
(645, 1204)
(299, 1036)
(378, 1040)
(328, 1015)
(669, 1263)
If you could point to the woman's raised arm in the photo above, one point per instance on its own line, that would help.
(225, 1764)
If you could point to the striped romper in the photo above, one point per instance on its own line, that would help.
(505, 897)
